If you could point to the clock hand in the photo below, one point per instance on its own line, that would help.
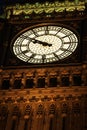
(46, 44)
(41, 42)
(37, 41)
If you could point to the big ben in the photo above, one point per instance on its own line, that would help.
(43, 65)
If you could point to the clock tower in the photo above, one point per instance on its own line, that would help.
(43, 65)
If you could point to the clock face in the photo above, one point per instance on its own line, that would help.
(45, 44)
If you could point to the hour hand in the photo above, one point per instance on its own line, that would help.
(46, 44)
(41, 42)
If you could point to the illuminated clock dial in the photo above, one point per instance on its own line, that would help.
(45, 44)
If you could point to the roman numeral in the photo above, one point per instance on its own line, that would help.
(23, 52)
(23, 45)
(68, 42)
(26, 37)
(56, 56)
(43, 58)
(32, 56)
(58, 31)
(35, 33)
(63, 49)
(68, 35)
(46, 30)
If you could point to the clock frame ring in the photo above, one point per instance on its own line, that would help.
(45, 43)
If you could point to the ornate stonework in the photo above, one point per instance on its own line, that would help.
(43, 97)
(47, 7)
(67, 74)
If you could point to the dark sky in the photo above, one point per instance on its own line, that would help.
(21, 1)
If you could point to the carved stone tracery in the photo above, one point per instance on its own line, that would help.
(62, 76)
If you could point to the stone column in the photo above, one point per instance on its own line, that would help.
(46, 122)
(12, 78)
(40, 122)
(59, 80)
(71, 80)
(21, 124)
(23, 80)
(12, 123)
(9, 122)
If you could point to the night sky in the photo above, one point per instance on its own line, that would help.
(22, 1)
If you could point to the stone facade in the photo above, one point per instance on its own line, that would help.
(43, 97)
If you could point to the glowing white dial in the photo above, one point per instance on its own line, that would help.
(45, 44)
